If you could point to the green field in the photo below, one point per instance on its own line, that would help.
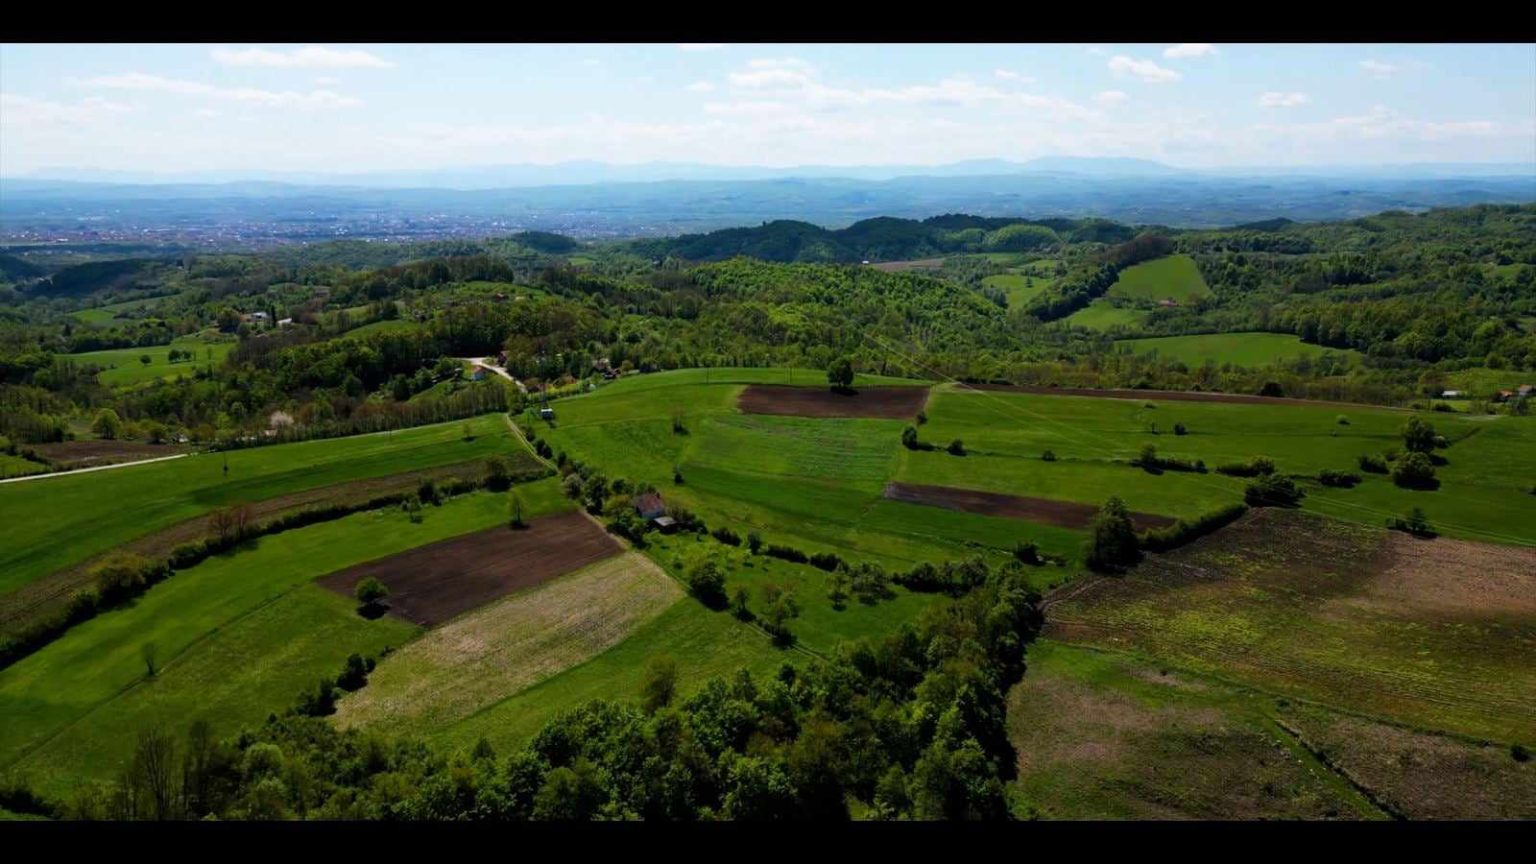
(814, 483)
(1175, 277)
(236, 637)
(124, 367)
(103, 316)
(1020, 288)
(1483, 493)
(1240, 349)
(58, 521)
(1100, 315)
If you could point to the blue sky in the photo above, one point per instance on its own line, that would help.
(378, 107)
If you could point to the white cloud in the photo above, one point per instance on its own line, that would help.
(700, 46)
(1189, 49)
(308, 57)
(700, 87)
(765, 73)
(1010, 75)
(1098, 50)
(269, 98)
(1146, 70)
(327, 81)
(1111, 97)
(1377, 68)
(26, 111)
(1274, 99)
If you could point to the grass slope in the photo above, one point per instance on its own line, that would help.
(123, 367)
(54, 522)
(1175, 277)
(237, 637)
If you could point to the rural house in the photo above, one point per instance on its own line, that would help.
(546, 413)
(650, 506)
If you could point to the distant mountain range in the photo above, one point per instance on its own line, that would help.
(588, 172)
(597, 200)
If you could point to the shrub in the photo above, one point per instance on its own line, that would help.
(1273, 490)
(1372, 464)
(1338, 479)
(371, 592)
(726, 536)
(428, 493)
(1415, 471)
(707, 582)
(787, 553)
(956, 448)
(1027, 552)
(754, 542)
(354, 675)
(826, 561)
(1179, 429)
(1181, 532)
(1415, 524)
(1049, 456)
(1341, 420)
(1258, 465)
(1518, 753)
(909, 437)
(498, 473)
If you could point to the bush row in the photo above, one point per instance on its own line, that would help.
(1181, 532)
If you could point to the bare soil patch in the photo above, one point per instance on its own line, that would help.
(1046, 511)
(1453, 578)
(434, 583)
(1163, 395)
(891, 403)
(69, 455)
(501, 649)
(41, 597)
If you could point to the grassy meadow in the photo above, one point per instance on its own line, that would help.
(1175, 277)
(124, 367)
(54, 522)
(1239, 349)
(1101, 315)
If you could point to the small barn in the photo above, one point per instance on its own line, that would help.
(477, 372)
(546, 413)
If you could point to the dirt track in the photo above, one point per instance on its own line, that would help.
(1168, 395)
(1046, 511)
(434, 583)
(891, 403)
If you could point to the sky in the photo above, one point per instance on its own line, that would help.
(351, 108)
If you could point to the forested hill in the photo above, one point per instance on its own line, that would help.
(883, 239)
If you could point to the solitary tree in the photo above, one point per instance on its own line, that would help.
(148, 652)
(659, 683)
(107, 424)
(840, 374)
(1418, 436)
(1112, 544)
(515, 510)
